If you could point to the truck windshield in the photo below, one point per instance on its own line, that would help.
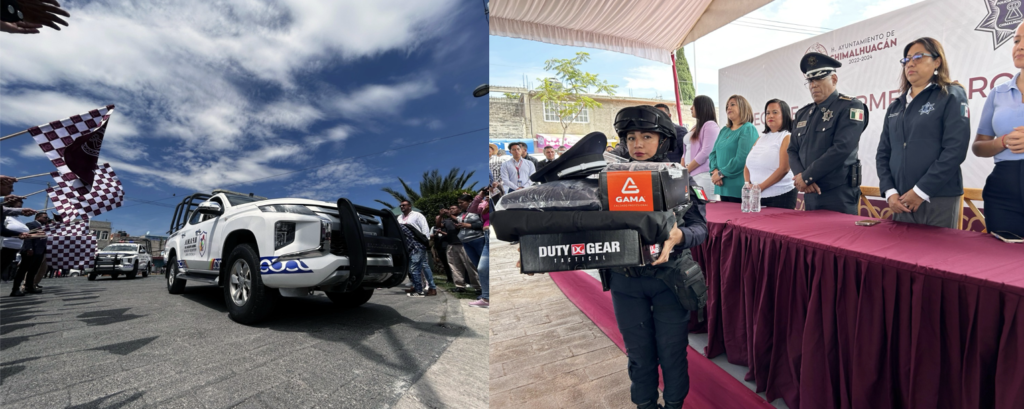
(121, 247)
(237, 200)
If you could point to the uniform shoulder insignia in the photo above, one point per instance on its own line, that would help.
(844, 97)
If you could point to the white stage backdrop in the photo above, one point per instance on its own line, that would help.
(976, 34)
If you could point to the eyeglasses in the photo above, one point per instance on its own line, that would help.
(808, 83)
(914, 58)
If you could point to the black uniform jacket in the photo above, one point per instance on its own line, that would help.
(824, 140)
(925, 143)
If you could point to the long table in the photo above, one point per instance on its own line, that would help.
(828, 314)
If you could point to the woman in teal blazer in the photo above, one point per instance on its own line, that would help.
(729, 155)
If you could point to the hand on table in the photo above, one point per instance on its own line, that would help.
(674, 237)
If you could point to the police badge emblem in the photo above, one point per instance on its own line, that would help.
(827, 116)
(927, 109)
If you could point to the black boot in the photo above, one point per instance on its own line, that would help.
(33, 291)
(17, 293)
(673, 405)
(649, 405)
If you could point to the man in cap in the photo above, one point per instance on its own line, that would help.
(823, 149)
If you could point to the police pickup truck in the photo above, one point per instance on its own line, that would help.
(121, 258)
(261, 249)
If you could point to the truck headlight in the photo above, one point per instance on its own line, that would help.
(284, 234)
(283, 208)
(127, 260)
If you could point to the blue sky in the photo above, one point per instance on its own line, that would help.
(247, 95)
(789, 21)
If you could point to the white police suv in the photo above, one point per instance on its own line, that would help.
(260, 249)
(121, 258)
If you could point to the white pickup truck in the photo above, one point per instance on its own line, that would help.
(121, 258)
(260, 249)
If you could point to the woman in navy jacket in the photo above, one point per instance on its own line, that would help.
(924, 140)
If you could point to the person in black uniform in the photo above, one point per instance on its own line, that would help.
(823, 148)
(924, 140)
(650, 315)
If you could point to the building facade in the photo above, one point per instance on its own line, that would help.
(515, 113)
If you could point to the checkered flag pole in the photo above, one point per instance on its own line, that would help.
(67, 252)
(107, 194)
(55, 136)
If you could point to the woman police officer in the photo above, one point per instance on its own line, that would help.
(650, 315)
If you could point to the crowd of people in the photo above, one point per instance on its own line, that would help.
(21, 248)
(458, 243)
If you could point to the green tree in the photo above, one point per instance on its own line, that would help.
(569, 93)
(687, 92)
(432, 184)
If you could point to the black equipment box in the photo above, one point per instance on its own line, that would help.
(543, 253)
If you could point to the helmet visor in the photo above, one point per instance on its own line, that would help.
(635, 118)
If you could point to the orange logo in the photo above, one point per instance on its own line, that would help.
(630, 191)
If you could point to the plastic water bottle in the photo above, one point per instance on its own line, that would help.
(755, 199)
(745, 198)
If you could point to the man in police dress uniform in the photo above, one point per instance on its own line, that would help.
(823, 149)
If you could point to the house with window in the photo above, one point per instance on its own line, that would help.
(515, 114)
(100, 230)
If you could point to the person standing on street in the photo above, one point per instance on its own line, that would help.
(419, 265)
(924, 140)
(463, 271)
(823, 147)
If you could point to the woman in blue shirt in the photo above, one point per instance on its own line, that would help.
(1001, 135)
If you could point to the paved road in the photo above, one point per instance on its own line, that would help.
(128, 343)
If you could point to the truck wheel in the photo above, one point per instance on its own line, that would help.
(175, 285)
(113, 276)
(145, 273)
(134, 272)
(247, 299)
(351, 299)
(92, 276)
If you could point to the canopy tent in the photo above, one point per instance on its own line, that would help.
(651, 29)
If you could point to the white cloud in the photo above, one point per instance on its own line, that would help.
(336, 134)
(372, 101)
(202, 175)
(181, 70)
(331, 182)
(6, 161)
(651, 77)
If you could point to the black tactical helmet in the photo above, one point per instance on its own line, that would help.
(649, 119)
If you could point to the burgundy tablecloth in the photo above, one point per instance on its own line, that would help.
(827, 314)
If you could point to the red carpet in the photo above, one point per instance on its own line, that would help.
(710, 386)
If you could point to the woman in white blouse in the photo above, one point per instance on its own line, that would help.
(768, 163)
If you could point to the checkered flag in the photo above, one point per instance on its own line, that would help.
(67, 252)
(57, 136)
(79, 228)
(106, 194)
